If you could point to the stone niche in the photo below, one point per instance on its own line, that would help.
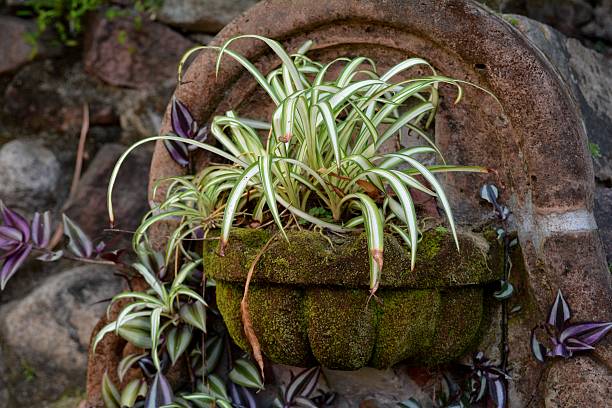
(533, 138)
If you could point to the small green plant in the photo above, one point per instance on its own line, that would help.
(65, 18)
(169, 321)
(512, 20)
(324, 151)
(29, 373)
(595, 150)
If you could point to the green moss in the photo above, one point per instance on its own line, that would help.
(457, 326)
(228, 302)
(430, 245)
(69, 399)
(512, 20)
(341, 329)
(281, 325)
(308, 299)
(335, 328)
(406, 325)
(309, 259)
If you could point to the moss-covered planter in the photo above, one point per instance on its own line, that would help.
(309, 300)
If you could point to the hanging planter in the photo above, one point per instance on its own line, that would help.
(310, 305)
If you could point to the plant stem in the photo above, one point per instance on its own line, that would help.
(504, 318)
(79, 259)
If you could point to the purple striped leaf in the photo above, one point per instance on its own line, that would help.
(559, 312)
(303, 384)
(183, 125)
(559, 350)
(160, 392)
(577, 345)
(79, 243)
(182, 120)
(9, 237)
(51, 256)
(178, 151)
(41, 229)
(564, 338)
(12, 263)
(537, 349)
(588, 333)
(497, 392)
(15, 220)
(241, 396)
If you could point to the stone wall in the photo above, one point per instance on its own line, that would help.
(124, 78)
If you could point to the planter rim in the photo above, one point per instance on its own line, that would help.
(308, 259)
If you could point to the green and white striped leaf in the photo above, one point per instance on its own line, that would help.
(194, 314)
(177, 341)
(131, 392)
(232, 203)
(155, 334)
(374, 229)
(216, 387)
(214, 352)
(126, 364)
(246, 374)
(110, 394)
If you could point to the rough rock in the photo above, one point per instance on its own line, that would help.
(603, 215)
(601, 25)
(207, 16)
(566, 15)
(4, 392)
(588, 20)
(386, 387)
(49, 96)
(30, 173)
(589, 76)
(46, 334)
(595, 381)
(14, 48)
(141, 110)
(130, 203)
(122, 54)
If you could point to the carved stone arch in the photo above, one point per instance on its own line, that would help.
(534, 138)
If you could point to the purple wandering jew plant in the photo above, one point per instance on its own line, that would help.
(19, 239)
(482, 376)
(486, 376)
(183, 125)
(565, 338)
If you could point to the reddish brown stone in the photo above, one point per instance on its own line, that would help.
(575, 263)
(123, 53)
(14, 48)
(578, 383)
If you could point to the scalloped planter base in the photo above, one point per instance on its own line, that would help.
(334, 327)
(309, 302)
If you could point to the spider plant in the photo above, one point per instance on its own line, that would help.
(327, 145)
